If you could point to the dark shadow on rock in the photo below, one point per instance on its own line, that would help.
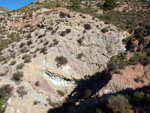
(84, 90)
(83, 99)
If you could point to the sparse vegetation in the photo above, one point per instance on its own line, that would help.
(60, 92)
(12, 37)
(62, 15)
(27, 58)
(80, 55)
(2, 74)
(63, 33)
(35, 102)
(75, 4)
(87, 26)
(2, 58)
(13, 62)
(22, 45)
(21, 91)
(29, 42)
(120, 61)
(2, 101)
(138, 96)
(134, 19)
(68, 31)
(37, 83)
(61, 60)
(104, 30)
(20, 66)
(55, 42)
(54, 104)
(80, 41)
(43, 50)
(46, 43)
(119, 104)
(5, 91)
(139, 79)
(109, 4)
(24, 50)
(17, 76)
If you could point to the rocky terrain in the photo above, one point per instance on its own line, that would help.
(3, 10)
(52, 54)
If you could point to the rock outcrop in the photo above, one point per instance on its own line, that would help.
(133, 76)
(54, 48)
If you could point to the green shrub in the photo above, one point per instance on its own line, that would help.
(62, 15)
(109, 4)
(43, 50)
(54, 104)
(68, 31)
(2, 74)
(21, 91)
(99, 4)
(29, 42)
(87, 26)
(24, 50)
(50, 4)
(98, 110)
(2, 58)
(55, 42)
(12, 37)
(75, 4)
(46, 43)
(61, 60)
(80, 55)
(2, 101)
(17, 76)
(5, 91)
(147, 97)
(27, 58)
(80, 41)
(63, 33)
(120, 60)
(138, 96)
(37, 83)
(35, 102)
(104, 30)
(130, 38)
(60, 92)
(4, 43)
(20, 66)
(139, 79)
(119, 104)
(13, 63)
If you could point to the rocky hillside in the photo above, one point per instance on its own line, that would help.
(3, 10)
(53, 53)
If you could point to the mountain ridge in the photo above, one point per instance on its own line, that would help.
(4, 9)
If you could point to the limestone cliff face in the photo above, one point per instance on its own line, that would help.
(57, 47)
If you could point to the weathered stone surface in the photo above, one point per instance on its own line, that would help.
(83, 46)
(127, 79)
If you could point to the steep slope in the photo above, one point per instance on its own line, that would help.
(45, 51)
(51, 49)
(3, 9)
